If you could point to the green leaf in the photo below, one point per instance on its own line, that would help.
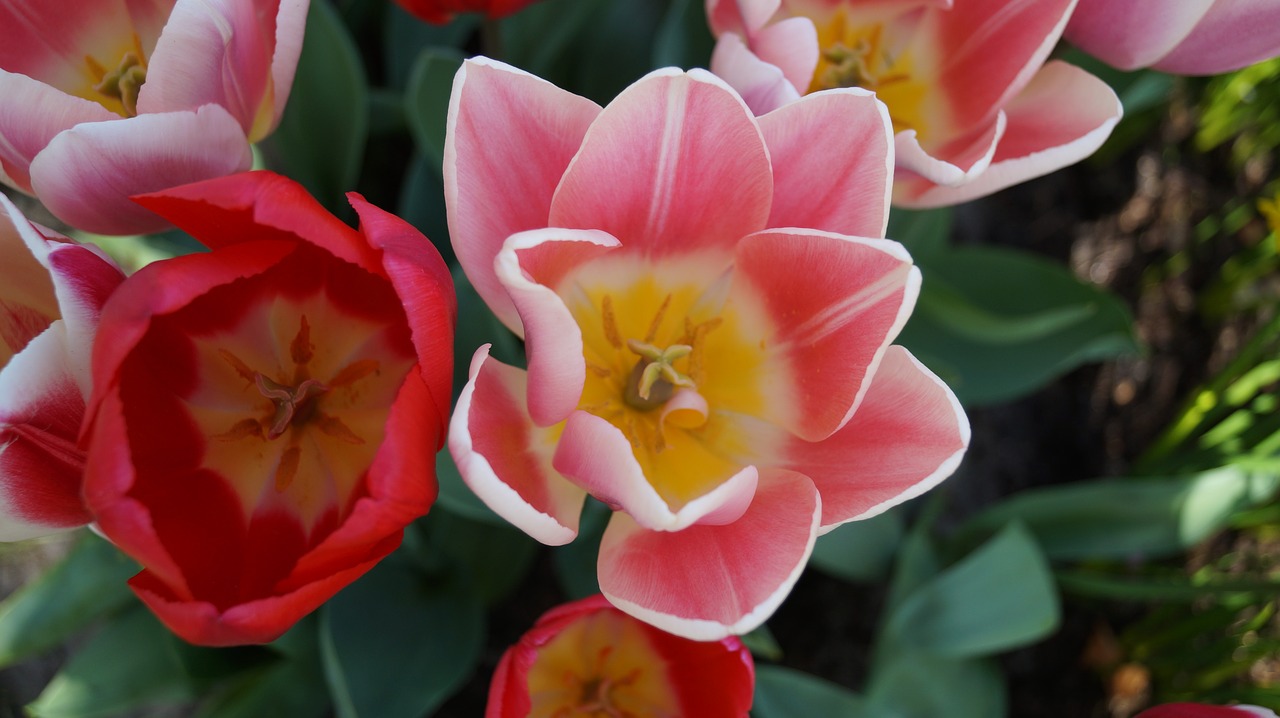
(292, 685)
(999, 597)
(922, 232)
(543, 38)
(575, 562)
(917, 685)
(132, 662)
(1161, 588)
(321, 137)
(1129, 518)
(407, 37)
(477, 325)
(683, 40)
(494, 558)
(860, 550)
(762, 644)
(996, 324)
(426, 101)
(87, 584)
(457, 498)
(788, 693)
(421, 203)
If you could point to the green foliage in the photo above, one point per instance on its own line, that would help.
(1243, 106)
(859, 550)
(786, 693)
(426, 101)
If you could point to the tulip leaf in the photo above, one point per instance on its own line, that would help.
(421, 203)
(495, 558)
(455, 497)
(923, 231)
(321, 137)
(788, 693)
(683, 39)
(1162, 588)
(87, 584)
(132, 662)
(999, 597)
(477, 325)
(291, 685)
(397, 643)
(914, 684)
(860, 550)
(543, 37)
(996, 324)
(575, 562)
(405, 37)
(426, 101)
(1130, 518)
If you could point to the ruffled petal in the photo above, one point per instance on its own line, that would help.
(955, 163)
(908, 435)
(837, 303)
(1129, 34)
(791, 45)
(31, 115)
(675, 163)
(708, 582)
(762, 86)
(740, 16)
(1232, 34)
(510, 137)
(506, 459)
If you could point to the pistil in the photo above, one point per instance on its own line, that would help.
(124, 82)
(294, 405)
(654, 378)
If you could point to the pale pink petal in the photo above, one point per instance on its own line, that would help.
(844, 187)
(908, 435)
(290, 24)
(530, 267)
(1129, 34)
(506, 459)
(510, 137)
(1062, 117)
(31, 115)
(675, 163)
(957, 162)
(597, 456)
(837, 302)
(791, 44)
(87, 174)
(740, 16)
(1234, 33)
(762, 86)
(708, 582)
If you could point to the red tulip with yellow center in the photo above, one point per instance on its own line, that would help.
(265, 416)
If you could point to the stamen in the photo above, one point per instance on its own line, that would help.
(301, 349)
(123, 83)
(610, 322)
(292, 404)
(657, 320)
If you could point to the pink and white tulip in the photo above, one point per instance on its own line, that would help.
(51, 294)
(1185, 37)
(107, 99)
(1200, 710)
(708, 308)
(975, 106)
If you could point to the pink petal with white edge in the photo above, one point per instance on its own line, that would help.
(762, 86)
(708, 582)
(1233, 34)
(1129, 34)
(674, 164)
(530, 266)
(1062, 117)
(510, 138)
(792, 45)
(28, 302)
(595, 455)
(958, 162)
(87, 174)
(837, 302)
(31, 115)
(505, 458)
(908, 435)
(291, 22)
(740, 16)
(844, 187)
(40, 464)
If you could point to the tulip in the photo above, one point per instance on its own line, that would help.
(111, 98)
(51, 293)
(587, 658)
(1185, 37)
(1198, 710)
(443, 11)
(707, 306)
(264, 419)
(975, 106)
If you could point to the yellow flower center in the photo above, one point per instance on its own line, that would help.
(116, 85)
(601, 666)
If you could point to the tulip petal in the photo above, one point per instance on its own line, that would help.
(844, 187)
(49, 40)
(837, 303)
(957, 162)
(28, 301)
(506, 459)
(86, 174)
(762, 86)
(1133, 33)
(1232, 34)
(708, 582)
(791, 44)
(740, 16)
(510, 137)
(31, 115)
(291, 22)
(907, 436)
(675, 163)
(1063, 116)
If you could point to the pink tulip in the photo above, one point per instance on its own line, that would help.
(708, 309)
(1186, 37)
(975, 106)
(1198, 710)
(112, 98)
(51, 293)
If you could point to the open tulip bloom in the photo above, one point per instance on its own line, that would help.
(1200, 710)
(443, 11)
(51, 294)
(265, 416)
(975, 107)
(105, 99)
(587, 658)
(708, 310)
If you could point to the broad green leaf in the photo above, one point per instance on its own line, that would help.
(421, 203)
(321, 137)
(922, 232)
(860, 550)
(456, 497)
(476, 326)
(788, 693)
(918, 561)
(683, 39)
(762, 644)
(131, 663)
(1129, 518)
(495, 558)
(1161, 588)
(545, 37)
(996, 323)
(88, 584)
(406, 37)
(293, 684)
(918, 685)
(397, 643)
(575, 562)
(426, 101)
(999, 597)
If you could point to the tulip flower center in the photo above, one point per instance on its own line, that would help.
(601, 666)
(116, 87)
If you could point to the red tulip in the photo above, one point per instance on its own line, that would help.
(442, 11)
(1199, 710)
(265, 416)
